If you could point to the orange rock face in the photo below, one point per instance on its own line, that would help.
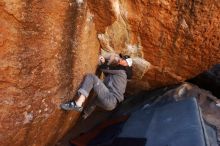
(178, 38)
(47, 47)
(45, 51)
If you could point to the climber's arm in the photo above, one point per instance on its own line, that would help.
(110, 58)
(108, 71)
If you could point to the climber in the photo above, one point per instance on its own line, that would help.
(117, 69)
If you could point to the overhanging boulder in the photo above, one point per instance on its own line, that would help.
(46, 47)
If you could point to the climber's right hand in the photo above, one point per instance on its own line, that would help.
(101, 59)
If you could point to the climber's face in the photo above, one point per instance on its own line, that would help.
(122, 62)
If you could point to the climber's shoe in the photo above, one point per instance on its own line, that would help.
(71, 106)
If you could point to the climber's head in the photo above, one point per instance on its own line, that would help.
(125, 60)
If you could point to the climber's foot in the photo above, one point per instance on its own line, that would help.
(71, 106)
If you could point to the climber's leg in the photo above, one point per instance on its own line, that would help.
(90, 81)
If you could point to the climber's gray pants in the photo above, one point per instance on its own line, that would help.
(104, 99)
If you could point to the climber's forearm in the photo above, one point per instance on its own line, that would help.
(111, 57)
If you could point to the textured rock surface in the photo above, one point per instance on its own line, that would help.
(45, 51)
(47, 47)
(178, 38)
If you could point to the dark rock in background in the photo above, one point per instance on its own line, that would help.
(209, 80)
